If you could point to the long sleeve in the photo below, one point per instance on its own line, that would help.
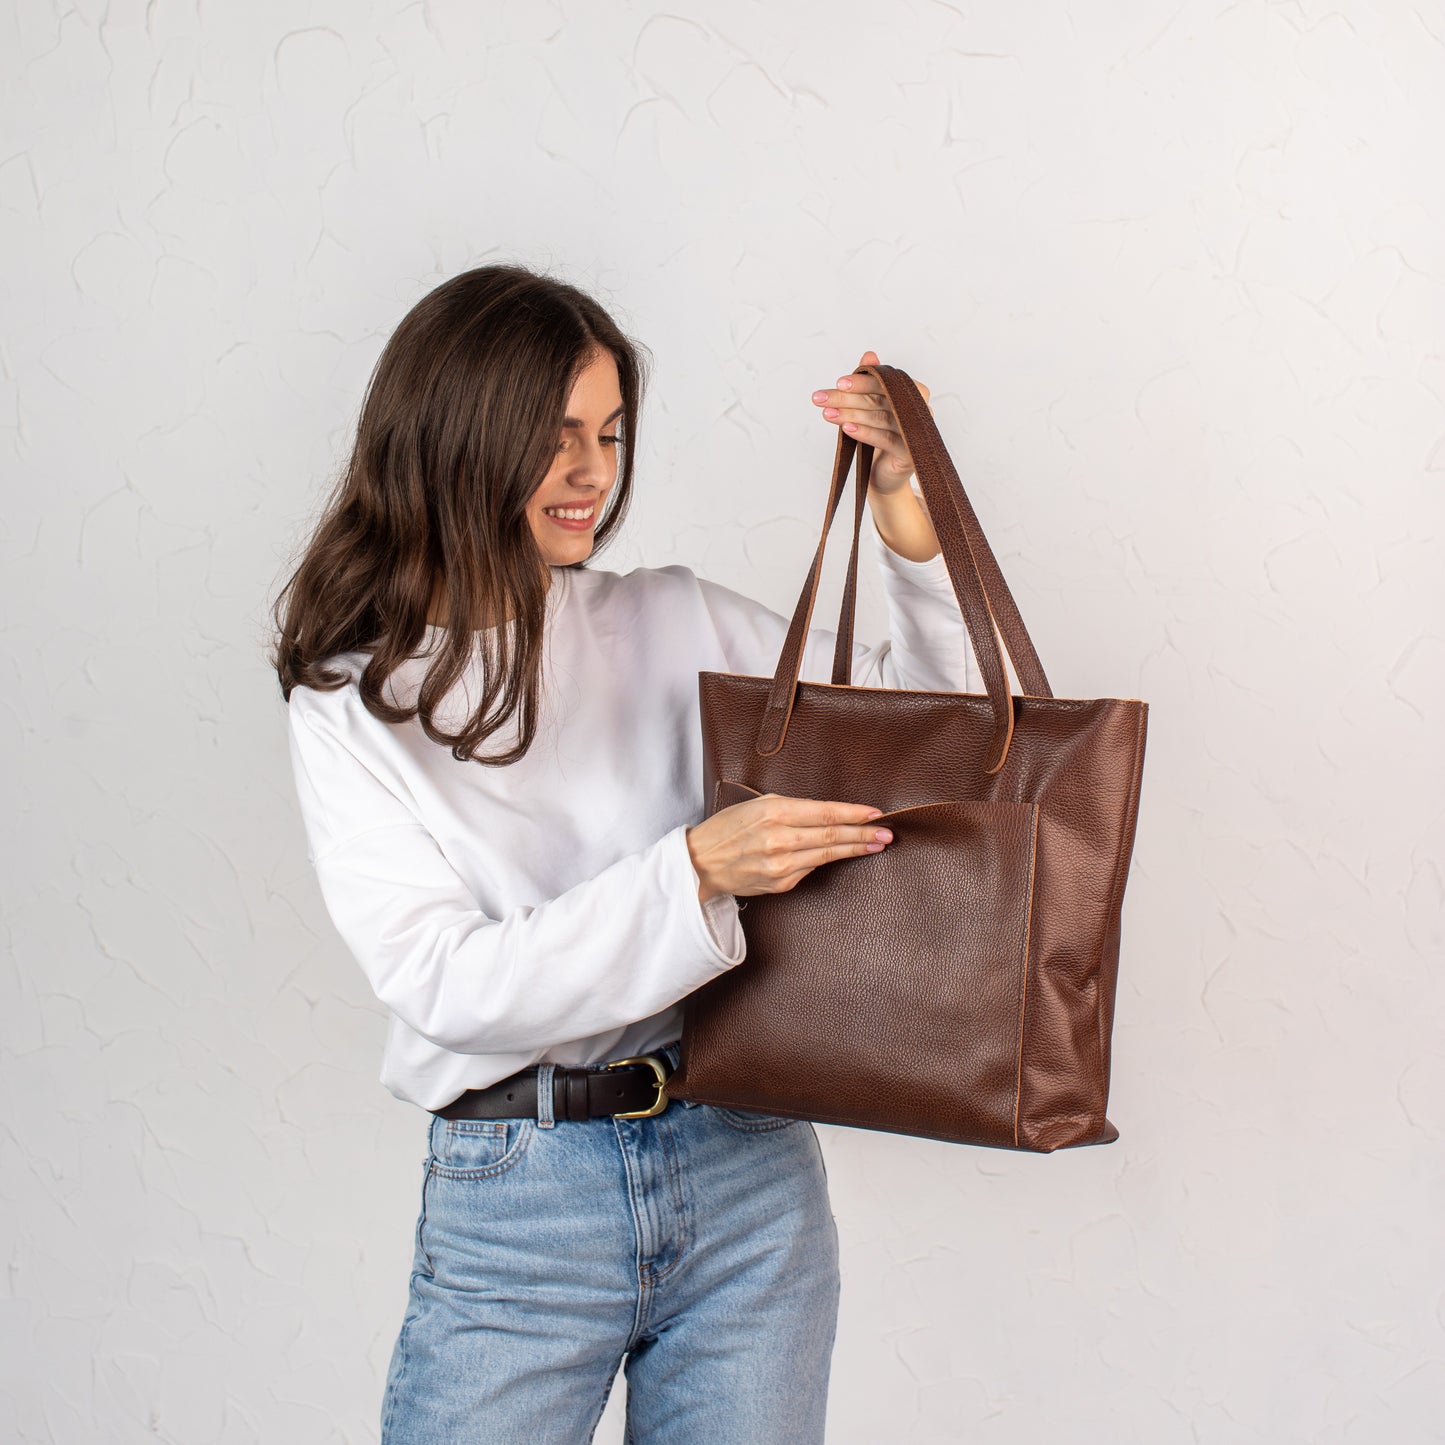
(617, 947)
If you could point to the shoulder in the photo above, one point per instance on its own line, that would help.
(340, 713)
(324, 720)
(644, 592)
(345, 668)
(342, 707)
(672, 601)
(600, 585)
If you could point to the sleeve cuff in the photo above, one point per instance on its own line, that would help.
(717, 925)
(721, 914)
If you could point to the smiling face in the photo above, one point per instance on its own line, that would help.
(566, 508)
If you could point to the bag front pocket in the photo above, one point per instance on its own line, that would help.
(905, 970)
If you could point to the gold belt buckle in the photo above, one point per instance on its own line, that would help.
(661, 1101)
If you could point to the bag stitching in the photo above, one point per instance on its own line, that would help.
(1116, 892)
(1024, 979)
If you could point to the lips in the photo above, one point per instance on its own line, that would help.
(590, 511)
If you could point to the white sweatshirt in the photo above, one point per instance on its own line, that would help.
(548, 910)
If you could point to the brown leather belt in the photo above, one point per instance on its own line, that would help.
(625, 1088)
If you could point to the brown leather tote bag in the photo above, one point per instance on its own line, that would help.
(959, 984)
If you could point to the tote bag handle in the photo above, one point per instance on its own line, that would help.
(989, 611)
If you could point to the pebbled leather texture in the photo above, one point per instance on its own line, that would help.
(960, 984)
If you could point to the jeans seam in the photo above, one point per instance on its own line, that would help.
(413, 1311)
(421, 1248)
(602, 1404)
(674, 1179)
(639, 1311)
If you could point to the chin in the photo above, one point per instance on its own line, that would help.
(570, 557)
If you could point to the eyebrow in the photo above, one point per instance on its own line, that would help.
(572, 420)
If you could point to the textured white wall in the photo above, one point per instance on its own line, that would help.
(1176, 275)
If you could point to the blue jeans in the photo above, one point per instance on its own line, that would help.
(696, 1249)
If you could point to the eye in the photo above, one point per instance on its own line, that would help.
(606, 441)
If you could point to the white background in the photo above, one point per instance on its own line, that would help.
(1176, 275)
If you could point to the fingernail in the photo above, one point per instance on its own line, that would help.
(830, 412)
(874, 847)
(876, 813)
(848, 426)
(883, 835)
(820, 396)
(845, 383)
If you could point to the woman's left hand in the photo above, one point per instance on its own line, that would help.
(860, 406)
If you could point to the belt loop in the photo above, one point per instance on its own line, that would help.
(546, 1116)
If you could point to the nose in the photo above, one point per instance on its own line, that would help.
(593, 465)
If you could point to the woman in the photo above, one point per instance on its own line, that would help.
(496, 750)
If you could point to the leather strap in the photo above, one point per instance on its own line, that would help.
(577, 1094)
(843, 648)
(921, 433)
(984, 598)
(779, 707)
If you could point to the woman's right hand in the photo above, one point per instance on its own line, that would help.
(770, 843)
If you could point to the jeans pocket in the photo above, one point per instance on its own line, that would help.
(749, 1123)
(477, 1148)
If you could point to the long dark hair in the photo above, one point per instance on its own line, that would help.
(458, 428)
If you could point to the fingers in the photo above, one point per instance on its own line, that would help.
(769, 843)
(814, 813)
(860, 391)
(882, 432)
(819, 832)
(856, 385)
(804, 832)
(788, 873)
(855, 391)
(858, 415)
(785, 873)
(792, 845)
(878, 437)
(861, 416)
(860, 406)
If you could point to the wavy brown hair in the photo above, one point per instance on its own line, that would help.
(457, 430)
